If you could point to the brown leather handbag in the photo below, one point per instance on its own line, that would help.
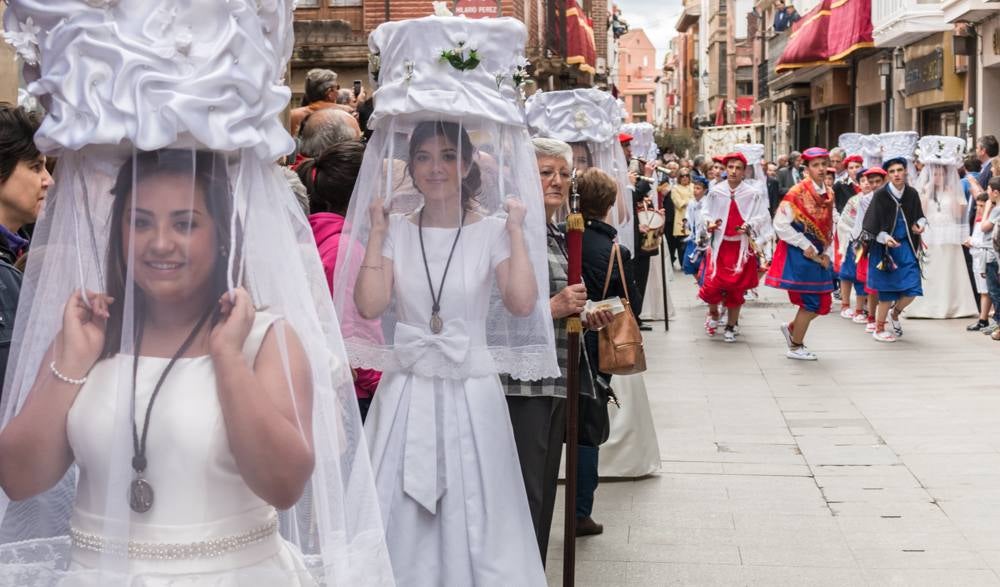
(620, 350)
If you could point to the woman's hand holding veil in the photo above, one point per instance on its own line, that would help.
(81, 340)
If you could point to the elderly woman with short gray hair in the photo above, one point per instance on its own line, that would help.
(537, 410)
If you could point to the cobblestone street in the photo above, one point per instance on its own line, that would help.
(877, 465)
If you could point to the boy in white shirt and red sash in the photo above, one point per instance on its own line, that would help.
(736, 214)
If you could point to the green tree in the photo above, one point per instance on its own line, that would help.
(679, 141)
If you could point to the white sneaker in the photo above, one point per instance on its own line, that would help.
(847, 313)
(711, 325)
(870, 327)
(801, 354)
(884, 336)
(729, 335)
(787, 334)
(897, 326)
(750, 295)
(860, 318)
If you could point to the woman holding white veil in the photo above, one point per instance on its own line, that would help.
(180, 410)
(947, 291)
(455, 272)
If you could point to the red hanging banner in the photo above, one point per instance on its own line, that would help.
(827, 34)
(580, 46)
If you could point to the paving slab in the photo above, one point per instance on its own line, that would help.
(873, 466)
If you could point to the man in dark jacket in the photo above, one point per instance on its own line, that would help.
(790, 175)
(24, 183)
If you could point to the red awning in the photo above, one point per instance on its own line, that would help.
(850, 28)
(827, 34)
(580, 46)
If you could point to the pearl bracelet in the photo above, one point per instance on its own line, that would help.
(63, 378)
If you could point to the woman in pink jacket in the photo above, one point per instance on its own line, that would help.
(329, 180)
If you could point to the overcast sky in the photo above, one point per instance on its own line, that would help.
(656, 17)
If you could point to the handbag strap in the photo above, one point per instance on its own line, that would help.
(616, 253)
(607, 274)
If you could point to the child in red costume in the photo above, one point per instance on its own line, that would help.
(736, 214)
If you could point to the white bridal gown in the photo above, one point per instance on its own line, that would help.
(446, 468)
(200, 495)
(632, 448)
(947, 291)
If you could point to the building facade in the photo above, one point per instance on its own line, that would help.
(334, 34)
(637, 75)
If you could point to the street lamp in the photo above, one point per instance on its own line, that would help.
(899, 57)
(884, 67)
(885, 70)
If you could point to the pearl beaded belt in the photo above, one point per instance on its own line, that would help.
(212, 548)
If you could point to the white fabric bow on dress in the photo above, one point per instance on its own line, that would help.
(424, 467)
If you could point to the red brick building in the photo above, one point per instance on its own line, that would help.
(334, 34)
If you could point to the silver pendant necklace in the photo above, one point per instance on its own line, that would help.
(436, 323)
(141, 494)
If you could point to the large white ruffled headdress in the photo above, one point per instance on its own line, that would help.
(154, 73)
(590, 120)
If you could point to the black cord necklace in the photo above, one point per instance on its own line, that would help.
(140, 495)
(437, 325)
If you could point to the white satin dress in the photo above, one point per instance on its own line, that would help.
(200, 495)
(446, 467)
(947, 290)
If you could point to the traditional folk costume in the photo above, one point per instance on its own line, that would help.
(855, 265)
(694, 251)
(731, 265)
(804, 221)
(894, 272)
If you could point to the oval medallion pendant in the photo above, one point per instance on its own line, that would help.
(437, 325)
(140, 496)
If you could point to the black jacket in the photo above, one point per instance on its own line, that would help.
(842, 192)
(881, 215)
(786, 180)
(10, 291)
(774, 195)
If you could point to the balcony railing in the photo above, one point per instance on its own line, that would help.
(776, 43)
(899, 22)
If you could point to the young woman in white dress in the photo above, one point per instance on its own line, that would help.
(455, 270)
(179, 407)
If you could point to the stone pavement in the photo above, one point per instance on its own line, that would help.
(879, 464)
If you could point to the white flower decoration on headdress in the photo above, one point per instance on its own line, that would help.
(441, 9)
(25, 40)
(183, 41)
(581, 120)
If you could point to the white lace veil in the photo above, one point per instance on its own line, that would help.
(940, 189)
(589, 120)
(871, 151)
(164, 118)
(643, 140)
(449, 149)
(754, 152)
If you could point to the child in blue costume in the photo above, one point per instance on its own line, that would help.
(693, 256)
(895, 221)
(802, 262)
